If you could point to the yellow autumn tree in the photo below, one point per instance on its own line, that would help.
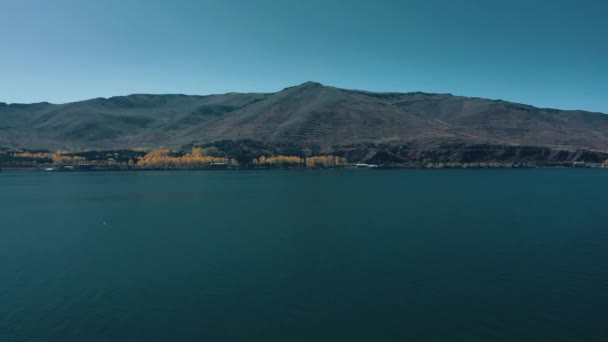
(310, 162)
(324, 161)
(61, 158)
(163, 158)
(279, 160)
(58, 157)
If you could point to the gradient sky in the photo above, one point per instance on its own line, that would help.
(548, 53)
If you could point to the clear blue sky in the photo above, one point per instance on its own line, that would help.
(549, 53)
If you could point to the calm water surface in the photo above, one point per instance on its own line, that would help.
(336, 255)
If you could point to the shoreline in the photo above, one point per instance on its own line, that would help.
(468, 167)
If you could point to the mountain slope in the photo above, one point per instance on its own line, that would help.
(308, 114)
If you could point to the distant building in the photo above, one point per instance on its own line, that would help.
(218, 166)
(361, 165)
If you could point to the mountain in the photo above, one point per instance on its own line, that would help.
(305, 115)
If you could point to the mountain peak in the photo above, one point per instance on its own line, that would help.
(311, 84)
(306, 85)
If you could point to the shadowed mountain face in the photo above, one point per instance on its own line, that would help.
(308, 114)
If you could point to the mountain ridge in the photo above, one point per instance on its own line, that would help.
(303, 115)
(302, 84)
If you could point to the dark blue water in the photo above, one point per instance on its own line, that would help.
(336, 255)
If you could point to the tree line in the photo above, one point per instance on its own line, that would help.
(295, 161)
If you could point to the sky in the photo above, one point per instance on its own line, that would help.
(548, 53)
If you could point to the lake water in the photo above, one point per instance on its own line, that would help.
(334, 255)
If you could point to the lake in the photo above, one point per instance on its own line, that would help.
(309, 255)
